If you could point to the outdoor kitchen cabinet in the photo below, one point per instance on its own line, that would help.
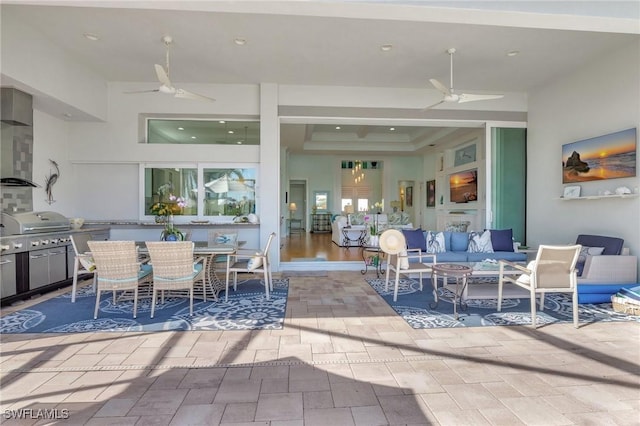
(36, 263)
(8, 275)
(47, 266)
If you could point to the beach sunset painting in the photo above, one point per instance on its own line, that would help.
(610, 156)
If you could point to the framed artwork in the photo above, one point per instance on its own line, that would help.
(571, 191)
(431, 193)
(463, 186)
(321, 201)
(610, 156)
(409, 196)
(465, 155)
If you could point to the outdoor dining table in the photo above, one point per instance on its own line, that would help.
(212, 282)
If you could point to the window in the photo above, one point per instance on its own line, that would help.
(208, 131)
(229, 192)
(167, 185)
(199, 190)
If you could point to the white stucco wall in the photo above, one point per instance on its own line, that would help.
(600, 98)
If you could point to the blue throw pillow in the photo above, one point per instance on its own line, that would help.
(459, 241)
(502, 239)
(415, 239)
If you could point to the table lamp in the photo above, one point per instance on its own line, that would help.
(292, 209)
(348, 209)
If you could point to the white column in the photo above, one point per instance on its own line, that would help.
(269, 189)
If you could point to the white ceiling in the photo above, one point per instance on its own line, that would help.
(337, 43)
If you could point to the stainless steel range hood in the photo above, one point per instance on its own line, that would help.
(17, 107)
(17, 118)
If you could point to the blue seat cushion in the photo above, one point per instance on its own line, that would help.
(505, 255)
(197, 268)
(451, 256)
(599, 293)
(145, 269)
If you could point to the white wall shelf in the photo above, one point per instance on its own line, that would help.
(598, 197)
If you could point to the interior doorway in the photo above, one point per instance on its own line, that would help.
(298, 198)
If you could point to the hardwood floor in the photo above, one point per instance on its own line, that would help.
(314, 245)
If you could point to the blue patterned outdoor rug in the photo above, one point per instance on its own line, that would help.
(247, 309)
(413, 307)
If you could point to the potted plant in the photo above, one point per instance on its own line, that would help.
(164, 212)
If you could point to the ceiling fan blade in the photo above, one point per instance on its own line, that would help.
(163, 77)
(181, 93)
(141, 91)
(441, 87)
(466, 97)
(434, 105)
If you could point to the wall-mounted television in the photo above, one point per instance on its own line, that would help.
(463, 186)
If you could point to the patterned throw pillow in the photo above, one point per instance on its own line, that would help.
(357, 218)
(480, 242)
(589, 251)
(457, 226)
(226, 238)
(404, 218)
(255, 262)
(395, 218)
(435, 242)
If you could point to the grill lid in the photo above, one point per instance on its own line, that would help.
(33, 222)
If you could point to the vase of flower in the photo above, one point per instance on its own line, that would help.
(170, 232)
(164, 211)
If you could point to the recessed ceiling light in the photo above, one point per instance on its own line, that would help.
(230, 132)
(91, 37)
(240, 41)
(386, 47)
(66, 115)
(221, 121)
(337, 127)
(392, 128)
(180, 128)
(193, 137)
(239, 142)
(513, 53)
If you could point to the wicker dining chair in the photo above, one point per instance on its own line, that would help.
(118, 270)
(173, 269)
(83, 262)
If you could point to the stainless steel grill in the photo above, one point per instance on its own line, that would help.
(33, 223)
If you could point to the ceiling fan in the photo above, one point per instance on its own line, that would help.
(165, 82)
(450, 95)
